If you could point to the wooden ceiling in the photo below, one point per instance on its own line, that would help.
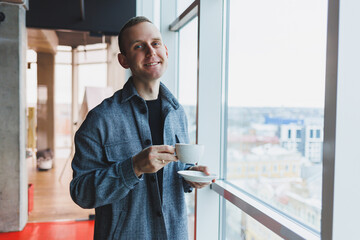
(77, 38)
(43, 40)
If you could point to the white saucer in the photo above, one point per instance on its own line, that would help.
(196, 176)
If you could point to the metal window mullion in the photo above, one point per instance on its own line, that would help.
(224, 113)
(329, 145)
(209, 111)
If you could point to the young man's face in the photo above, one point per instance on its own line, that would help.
(145, 54)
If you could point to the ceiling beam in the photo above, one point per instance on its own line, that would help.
(42, 40)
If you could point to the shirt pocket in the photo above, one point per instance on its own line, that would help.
(118, 152)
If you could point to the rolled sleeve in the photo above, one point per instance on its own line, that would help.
(128, 174)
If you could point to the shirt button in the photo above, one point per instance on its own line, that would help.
(159, 214)
(147, 142)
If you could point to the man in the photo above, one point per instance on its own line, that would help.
(124, 164)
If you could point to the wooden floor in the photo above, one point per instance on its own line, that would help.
(52, 201)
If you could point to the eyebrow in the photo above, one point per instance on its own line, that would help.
(137, 41)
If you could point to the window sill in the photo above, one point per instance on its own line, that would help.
(270, 218)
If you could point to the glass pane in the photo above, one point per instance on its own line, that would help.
(91, 75)
(96, 46)
(276, 88)
(188, 73)
(31, 79)
(187, 86)
(63, 106)
(92, 70)
(239, 225)
(92, 56)
(63, 57)
(182, 5)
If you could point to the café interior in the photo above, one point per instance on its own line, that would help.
(270, 88)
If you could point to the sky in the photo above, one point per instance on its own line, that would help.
(277, 53)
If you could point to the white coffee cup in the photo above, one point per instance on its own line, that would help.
(189, 153)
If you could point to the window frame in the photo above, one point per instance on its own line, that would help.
(178, 24)
(266, 215)
(208, 216)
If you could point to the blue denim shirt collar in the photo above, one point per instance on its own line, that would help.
(129, 91)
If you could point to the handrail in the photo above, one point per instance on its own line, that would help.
(190, 13)
(270, 218)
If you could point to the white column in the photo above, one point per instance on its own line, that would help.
(209, 113)
(149, 9)
(341, 209)
(13, 170)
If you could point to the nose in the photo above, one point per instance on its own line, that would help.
(150, 50)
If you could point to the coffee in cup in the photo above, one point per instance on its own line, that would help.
(189, 153)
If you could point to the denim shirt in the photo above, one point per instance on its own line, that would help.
(128, 207)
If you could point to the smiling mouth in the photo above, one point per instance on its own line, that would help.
(152, 63)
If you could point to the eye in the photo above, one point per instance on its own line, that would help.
(137, 46)
(156, 43)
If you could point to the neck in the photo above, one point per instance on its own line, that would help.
(148, 90)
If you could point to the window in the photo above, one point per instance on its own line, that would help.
(182, 5)
(341, 92)
(31, 79)
(92, 66)
(63, 100)
(276, 82)
(239, 225)
(187, 86)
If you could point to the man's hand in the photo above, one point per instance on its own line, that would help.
(153, 158)
(203, 169)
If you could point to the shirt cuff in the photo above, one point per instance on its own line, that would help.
(128, 174)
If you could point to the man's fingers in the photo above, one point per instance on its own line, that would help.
(166, 157)
(163, 149)
(162, 152)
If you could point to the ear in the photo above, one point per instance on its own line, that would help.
(167, 53)
(123, 61)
